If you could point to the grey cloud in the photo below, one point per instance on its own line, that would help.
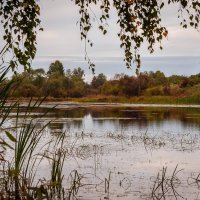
(60, 23)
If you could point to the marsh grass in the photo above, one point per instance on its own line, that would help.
(165, 186)
(75, 184)
(107, 186)
(18, 171)
(56, 161)
(189, 99)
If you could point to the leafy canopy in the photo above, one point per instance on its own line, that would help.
(139, 21)
(56, 68)
(20, 19)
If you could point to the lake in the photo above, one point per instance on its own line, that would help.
(119, 149)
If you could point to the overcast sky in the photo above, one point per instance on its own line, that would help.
(61, 34)
(61, 37)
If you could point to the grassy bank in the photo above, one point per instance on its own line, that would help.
(124, 99)
(140, 100)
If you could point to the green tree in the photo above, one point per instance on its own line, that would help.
(73, 83)
(194, 79)
(175, 79)
(111, 87)
(98, 81)
(54, 87)
(78, 84)
(68, 80)
(56, 68)
(78, 73)
(130, 86)
(157, 78)
(39, 77)
(27, 86)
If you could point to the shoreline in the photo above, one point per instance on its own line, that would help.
(81, 102)
(142, 101)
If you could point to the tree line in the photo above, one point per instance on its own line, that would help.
(58, 83)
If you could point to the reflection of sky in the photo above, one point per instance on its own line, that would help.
(120, 126)
(119, 120)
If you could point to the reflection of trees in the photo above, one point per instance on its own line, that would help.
(63, 126)
(139, 117)
(72, 125)
(69, 113)
(192, 122)
(141, 123)
(77, 124)
(99, 122)
(143, 117)
(55, 127)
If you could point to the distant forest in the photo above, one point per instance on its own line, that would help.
(57, 83)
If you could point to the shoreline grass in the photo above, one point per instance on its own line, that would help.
(123, 99)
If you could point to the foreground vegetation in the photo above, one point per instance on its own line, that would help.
(147, 87)
(21, 154)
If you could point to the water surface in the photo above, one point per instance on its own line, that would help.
(132, 143)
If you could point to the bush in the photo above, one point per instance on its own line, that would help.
(155, 91)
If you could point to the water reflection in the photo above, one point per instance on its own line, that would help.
(132, 143)
(103, 119)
